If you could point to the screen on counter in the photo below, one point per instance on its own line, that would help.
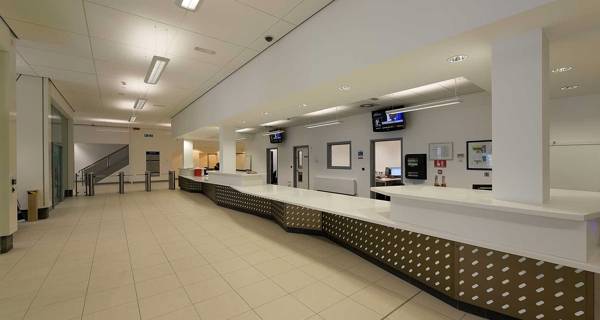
(396, 171)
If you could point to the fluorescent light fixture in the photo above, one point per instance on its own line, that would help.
(244, 130)
(566, 88)
(562, 69)
(132, 119)
(190, 5)
(157, 67)
(270, 133)
(429, 105)
(323, 112)
(323, 124)
(274, 123)
(457, 58)
(139, 104)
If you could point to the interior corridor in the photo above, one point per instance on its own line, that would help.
(176, 255)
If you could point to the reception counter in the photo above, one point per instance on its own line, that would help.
(488, 278)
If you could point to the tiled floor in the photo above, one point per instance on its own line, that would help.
(175, 255)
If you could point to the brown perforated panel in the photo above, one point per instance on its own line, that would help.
(189, 184)
(233, 199)
(296, 217)
(521, 287)
(428, 259)
(210, 191)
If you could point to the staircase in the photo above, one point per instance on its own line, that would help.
(107, 165)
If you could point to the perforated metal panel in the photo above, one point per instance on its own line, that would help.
(189, 185)
(296, 217)
(427, 259)
(521, 287)
(233, 199)
(209, 190)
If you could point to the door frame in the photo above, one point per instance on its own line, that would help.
(295, 161)
(270, 169)
(372, 158)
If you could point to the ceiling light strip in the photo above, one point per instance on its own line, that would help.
(157, 67)
(270, 133)
(139, 104)
(323, 124)
(429, 105)
(190, 5)
(132, 118)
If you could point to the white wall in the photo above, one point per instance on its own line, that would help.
(88, 153)
(575, 143)
(388, 154)
(469, 121)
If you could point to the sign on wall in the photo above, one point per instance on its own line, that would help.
(415, 166)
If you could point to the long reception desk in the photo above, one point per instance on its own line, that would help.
(491, 277)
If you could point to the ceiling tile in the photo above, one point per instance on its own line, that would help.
(61, 14)
(278, 8)
(36, 57)
(159, 10)
(278, 30)
(229, 21)
(23, 67)
(43, 38)
(186, 74)
(305, 10)
(128, 29)
(77, 78)
(185, 42)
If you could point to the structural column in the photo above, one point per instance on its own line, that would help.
(519, 118)
(188, 154)
(227, 144)
(8, 198)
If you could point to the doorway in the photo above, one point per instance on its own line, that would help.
(57, 174)
(272, 166)
(386, 164)
(301, 167)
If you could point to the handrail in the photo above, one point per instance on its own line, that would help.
(104, 158)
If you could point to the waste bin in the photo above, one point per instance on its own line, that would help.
(32, 205)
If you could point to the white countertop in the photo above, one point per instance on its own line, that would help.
(563, 204)
(365, 209)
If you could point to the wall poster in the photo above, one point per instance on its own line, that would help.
(479, 155)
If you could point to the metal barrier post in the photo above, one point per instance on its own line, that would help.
(171, 180)
(148, 181)
(91, 183)
(121, 182)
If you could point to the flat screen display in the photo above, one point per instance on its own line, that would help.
(383, 121)
(396, 171)
(276, 137)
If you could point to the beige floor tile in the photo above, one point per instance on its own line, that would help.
(274, 267)
(223, 307)
(58, 311)
(187, 313)
(95, 302)
(244, 277)
(412, 311)
(346, 283)
(155, 286)
(207, 289)
(368, 271)
(258, 257)
(128, 311)
(286, 307)
(261, 292)
(163, 303)
(250, 315)
(230, 265)
(318, 296)
(54, 293)
(193, 275)
(110, 281)
(347, 309)
(430, 302)
(378, 299)
(472, 317)
(16, 305)
(397, 285)
(320, 270)
(293, 280)
(188, 263)
(157, 271)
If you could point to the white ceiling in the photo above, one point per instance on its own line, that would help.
(89, 47)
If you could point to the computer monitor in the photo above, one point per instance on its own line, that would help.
(396, 172)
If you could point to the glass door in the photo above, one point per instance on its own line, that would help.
(57, 174)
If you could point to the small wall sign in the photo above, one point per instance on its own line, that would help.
(361, 154)
(416, 166)
(148, 135)
(439, 163)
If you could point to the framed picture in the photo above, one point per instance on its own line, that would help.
(479, 155)
(441, 151)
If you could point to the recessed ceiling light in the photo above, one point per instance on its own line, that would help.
(123, 83)
(139, 104)
(565, 88)
(345, 87)
(367, 105)
(562, 69)
(204, 50)
(303, 105)
(243, 121)
(132, 118)
(274, 123)
(266, 113)
(323, 124)
(457, 58)
(157, 67)
(190, 5)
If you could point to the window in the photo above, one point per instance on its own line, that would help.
(339, 155)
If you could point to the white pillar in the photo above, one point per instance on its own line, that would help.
(519, 119)
(227, 149)
(188, 154)
(8, 199)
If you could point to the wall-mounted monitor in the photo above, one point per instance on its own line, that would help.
(383, 121)
(277, 137)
